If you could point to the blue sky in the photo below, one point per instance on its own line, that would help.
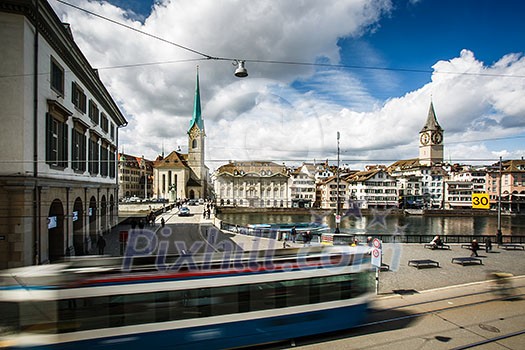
(292, 112)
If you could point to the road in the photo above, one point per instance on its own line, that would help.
(460, 317)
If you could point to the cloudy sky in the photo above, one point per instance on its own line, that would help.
(365, 68)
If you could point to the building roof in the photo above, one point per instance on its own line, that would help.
(514, 166)
(432, 123)
(172, 160)
(197, 117)
(132, 161)
(261, 168)
(362, 176)
(404, 164)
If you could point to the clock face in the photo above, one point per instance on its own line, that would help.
(437, 137)
(424, 139)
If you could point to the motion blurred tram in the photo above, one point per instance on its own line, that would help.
(210, 301)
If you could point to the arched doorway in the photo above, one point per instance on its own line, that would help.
(92, 215)
(192, 194)
(78, 227)
(55, 230)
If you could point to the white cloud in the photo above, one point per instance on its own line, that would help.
(285, 112)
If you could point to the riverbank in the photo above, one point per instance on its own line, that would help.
(365, 211)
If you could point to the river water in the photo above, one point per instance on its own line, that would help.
(382, 223)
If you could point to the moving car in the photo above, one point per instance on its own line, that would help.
(184, 211)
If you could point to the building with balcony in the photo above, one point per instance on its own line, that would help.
(302, 186)
(254, 184)
(373, 188)
(511, 178)
(58, 180)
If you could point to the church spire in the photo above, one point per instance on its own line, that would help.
(432, 123)
(197, 119)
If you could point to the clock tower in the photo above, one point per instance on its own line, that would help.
(431, 140)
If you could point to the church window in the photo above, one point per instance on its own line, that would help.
(194, 143)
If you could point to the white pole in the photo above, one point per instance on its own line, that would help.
(377, 280)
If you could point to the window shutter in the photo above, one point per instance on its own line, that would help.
(49, 138)
(64, 156)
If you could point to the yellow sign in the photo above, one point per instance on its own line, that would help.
(480, 201)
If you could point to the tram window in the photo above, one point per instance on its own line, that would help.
(224, 300)
(38, 317)
(243, 298)
(297, 292)
(83, 314)
(139, 308)
(162, 306)
(10, 320)
(262, 296)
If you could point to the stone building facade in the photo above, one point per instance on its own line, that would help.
(58, 183)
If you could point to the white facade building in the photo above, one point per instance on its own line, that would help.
(302, 186)
(373, 188)
(254, 184)
(58, 180)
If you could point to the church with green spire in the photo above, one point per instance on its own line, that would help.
(178, 175)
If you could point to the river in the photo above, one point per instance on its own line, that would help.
(382, 223)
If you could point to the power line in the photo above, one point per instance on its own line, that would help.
(137, 30)
(297, 63)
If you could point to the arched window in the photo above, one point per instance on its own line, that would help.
(194, 143)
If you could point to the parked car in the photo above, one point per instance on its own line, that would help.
(192, 202)
(184, 211)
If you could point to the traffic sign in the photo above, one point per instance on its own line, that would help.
(376, 243)
(338, 219)
(376, 257)
(480, 201)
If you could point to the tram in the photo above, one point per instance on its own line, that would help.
(209, 301)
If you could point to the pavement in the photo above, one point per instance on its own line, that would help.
(400, 278)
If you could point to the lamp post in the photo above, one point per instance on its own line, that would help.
(499, 234)
(337, 217)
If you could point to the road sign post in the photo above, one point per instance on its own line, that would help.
(376, 259)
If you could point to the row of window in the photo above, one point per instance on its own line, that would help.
(86, 153)
(79, 99)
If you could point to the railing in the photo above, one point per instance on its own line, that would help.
(385, 238)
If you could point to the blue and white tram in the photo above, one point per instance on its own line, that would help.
(85, 304)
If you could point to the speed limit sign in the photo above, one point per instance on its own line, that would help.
(376, 243)
(480, 201)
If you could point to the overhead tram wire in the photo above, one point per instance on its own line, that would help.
(297, 63)
(137, 30)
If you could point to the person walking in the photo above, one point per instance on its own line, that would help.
(294, 234)
(488, 244)
(101, 244)
(162, 222)
(474, 246)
